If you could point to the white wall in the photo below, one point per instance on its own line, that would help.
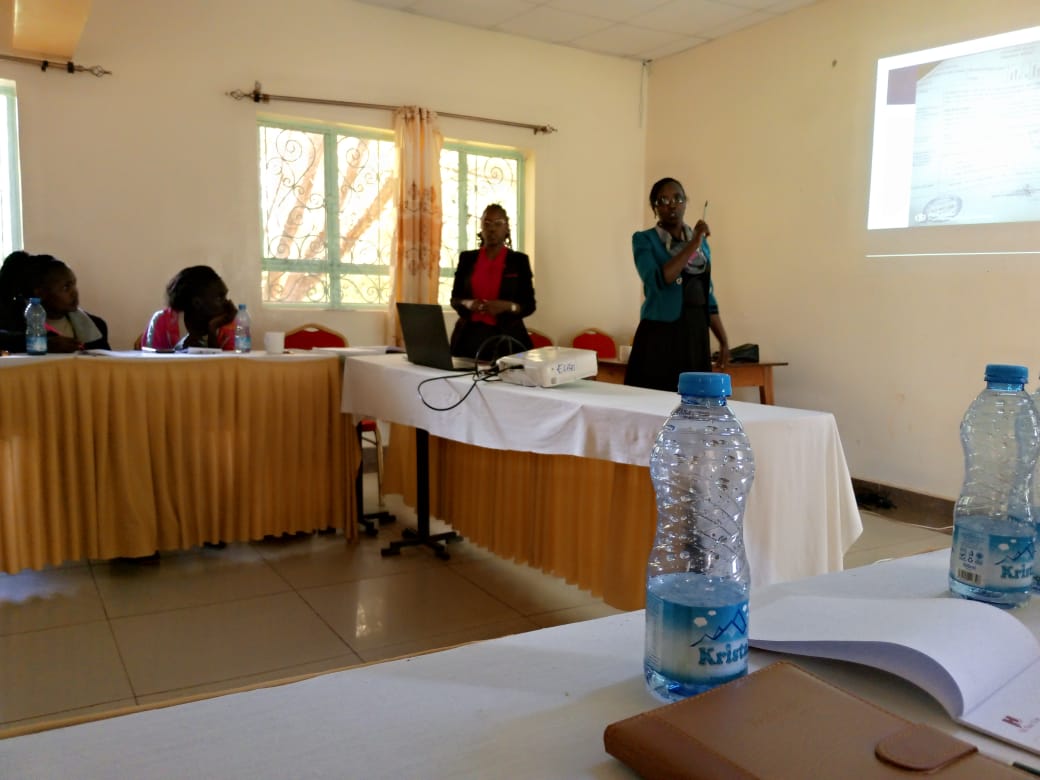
(132, 176)
(773, 125)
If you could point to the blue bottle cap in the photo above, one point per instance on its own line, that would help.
(1008, 375)
(34, 300)
(705, 384)
(241, 307)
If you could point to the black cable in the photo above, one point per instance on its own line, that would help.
(478, 375)
(503, 340)
(428, 405)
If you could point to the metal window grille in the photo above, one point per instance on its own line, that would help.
(327, 214)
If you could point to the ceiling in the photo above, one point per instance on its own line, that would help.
(50, 28)
(635, 29)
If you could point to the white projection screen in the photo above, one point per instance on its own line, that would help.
(956, 158)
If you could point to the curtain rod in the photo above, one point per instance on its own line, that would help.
(262, 97)
(68, 67)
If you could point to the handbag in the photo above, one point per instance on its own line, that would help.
(744, 353)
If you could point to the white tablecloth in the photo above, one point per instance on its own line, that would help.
(801, 515)
(531, 705)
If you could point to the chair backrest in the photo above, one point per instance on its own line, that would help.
(539, 339)
(595, 339)
(313, 335)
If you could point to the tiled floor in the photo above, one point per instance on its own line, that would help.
(91, 637)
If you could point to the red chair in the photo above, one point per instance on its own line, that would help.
(602, 343)
(539, 339)
(313, 336)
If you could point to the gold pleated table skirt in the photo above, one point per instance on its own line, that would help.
(591, 522)
(102, 457)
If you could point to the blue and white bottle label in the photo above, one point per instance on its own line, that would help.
(993, 561)
(696, 645)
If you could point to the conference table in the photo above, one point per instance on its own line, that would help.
(108, 454)
(527, 705)
(557, 478)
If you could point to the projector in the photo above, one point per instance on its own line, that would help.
(547, 366)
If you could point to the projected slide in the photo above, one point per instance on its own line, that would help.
(957, 138)
(977, 139)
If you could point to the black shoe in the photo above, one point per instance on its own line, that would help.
(140, 559)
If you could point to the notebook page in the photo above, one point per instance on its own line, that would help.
(1011, 713)
(959, 651)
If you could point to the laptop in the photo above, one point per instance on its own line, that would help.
(426, 337)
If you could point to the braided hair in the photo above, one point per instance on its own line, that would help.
(187, 284)
(509, 231)
(16, 277)
(40, 270)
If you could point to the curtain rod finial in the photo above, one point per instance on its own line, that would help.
(546, 129)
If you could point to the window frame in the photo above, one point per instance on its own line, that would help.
(9, 94)
(333, 267)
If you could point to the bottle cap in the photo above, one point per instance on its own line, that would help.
(241, 307)
(34, 300)
(705, 384)
(1008, 375)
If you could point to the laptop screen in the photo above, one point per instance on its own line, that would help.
(426, 337)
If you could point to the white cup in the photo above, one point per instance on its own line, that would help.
(624, 351)
(274, 342)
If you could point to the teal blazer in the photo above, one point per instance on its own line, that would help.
(662, 301)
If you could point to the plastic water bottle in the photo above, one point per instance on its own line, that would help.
(1034, 503)
(35, 328)
(698, 579)
(243, 337)
(994, 539)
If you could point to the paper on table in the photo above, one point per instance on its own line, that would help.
(981, 663)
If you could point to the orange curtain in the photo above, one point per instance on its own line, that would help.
(417, 237)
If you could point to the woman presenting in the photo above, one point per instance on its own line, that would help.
(493, 292)
(674, 262)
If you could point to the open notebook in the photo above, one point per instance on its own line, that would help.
(981, 663)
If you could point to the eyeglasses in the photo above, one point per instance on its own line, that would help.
(678, 200)
(494, 222)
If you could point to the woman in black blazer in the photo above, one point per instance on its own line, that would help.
(493, 292)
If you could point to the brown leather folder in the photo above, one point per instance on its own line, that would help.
(784, 723)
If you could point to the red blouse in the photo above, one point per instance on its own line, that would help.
(486, 281)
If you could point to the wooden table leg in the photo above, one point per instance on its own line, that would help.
(765, 390)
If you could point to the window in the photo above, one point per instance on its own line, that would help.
(328, 216)
(10, 181)
(471, 179)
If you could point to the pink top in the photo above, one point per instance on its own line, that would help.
(165, 328)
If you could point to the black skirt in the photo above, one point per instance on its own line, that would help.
(663, 350)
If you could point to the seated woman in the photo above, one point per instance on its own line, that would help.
(492, 293)
(69, 328)
(197, 314)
